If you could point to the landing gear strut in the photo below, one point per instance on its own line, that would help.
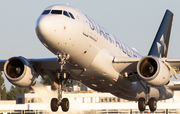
(143, 102)
(62, 78)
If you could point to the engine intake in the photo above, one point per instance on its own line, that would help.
(153, 71)
(148, 67)
(15, 68)
(19, 72)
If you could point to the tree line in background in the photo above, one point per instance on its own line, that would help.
(11, 94)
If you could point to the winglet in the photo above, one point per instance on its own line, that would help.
(160, 45)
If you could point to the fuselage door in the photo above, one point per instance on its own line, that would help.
(85, 21)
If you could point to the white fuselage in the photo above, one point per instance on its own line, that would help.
(92, 50)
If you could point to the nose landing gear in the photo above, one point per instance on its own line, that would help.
(62, 78)
(64, 104)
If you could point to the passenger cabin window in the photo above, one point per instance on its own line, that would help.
(66, 13)
(45, 12)
(56, 12)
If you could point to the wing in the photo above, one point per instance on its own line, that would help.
(125, 65)
(129, 65)
(174, 66)
(40, 64)
(45, 63)
(46, 66)
(23, 72)
(30, 68)
(174, 87)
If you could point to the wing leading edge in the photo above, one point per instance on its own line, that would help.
(40, 64)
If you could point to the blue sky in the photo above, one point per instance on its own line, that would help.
(133, 22)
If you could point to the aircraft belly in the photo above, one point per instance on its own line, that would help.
(159, 93)
(101, 76)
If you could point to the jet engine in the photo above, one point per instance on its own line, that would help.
(153, 71)
(20, 72)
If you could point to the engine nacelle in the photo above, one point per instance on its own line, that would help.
(153, 71)
(19, 72)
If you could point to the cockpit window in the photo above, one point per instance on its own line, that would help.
(66, 13)
(56, 12)
(71, 15)
(45, 12)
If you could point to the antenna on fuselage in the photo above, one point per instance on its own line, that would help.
(67, 3)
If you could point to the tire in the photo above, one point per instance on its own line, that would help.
(152, 104)
(54, 105)
(141, 104)
(65, 104)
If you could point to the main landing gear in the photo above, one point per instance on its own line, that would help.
(62, 78)
(143, 102)
(152, 104)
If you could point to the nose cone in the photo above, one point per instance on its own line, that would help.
(44, 27)
(45, 30)
(55, 31)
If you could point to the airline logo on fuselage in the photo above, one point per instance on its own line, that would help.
(97, 29)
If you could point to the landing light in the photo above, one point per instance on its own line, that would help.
(126, 74)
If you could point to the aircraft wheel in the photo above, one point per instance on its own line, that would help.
(141, 104)
(65, 104)
(54, 104)
(152, 104)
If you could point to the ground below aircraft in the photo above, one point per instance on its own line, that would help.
(87, 52)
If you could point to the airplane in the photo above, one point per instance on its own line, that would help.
(87, 52)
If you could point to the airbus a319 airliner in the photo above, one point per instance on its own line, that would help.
(87, 52)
